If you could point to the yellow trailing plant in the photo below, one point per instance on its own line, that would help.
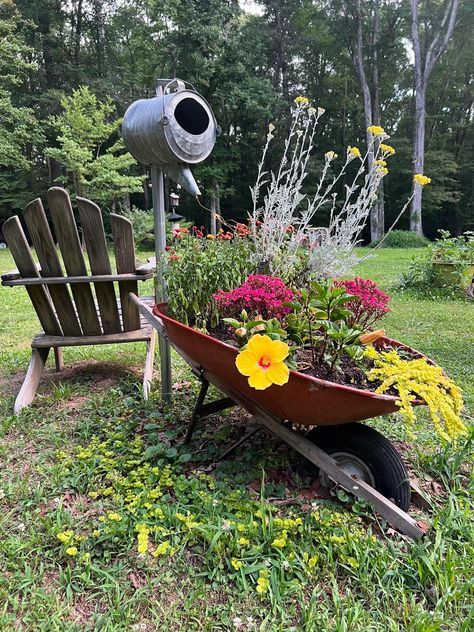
(418, 378)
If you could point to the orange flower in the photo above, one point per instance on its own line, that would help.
(372, 336)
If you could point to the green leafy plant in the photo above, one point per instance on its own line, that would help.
(197, 269)
(319, 320)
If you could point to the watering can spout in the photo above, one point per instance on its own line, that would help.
(183, 176)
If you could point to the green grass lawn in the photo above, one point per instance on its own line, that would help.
(152, 538)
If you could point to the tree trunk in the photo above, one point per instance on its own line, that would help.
(416, 224)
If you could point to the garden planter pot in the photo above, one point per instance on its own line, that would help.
(450, 273)
(304, 400)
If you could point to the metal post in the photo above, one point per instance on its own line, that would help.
(158, 195)
(213, 216)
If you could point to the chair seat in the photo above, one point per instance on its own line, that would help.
(138, 335)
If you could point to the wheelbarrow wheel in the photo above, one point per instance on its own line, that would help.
(365, 453)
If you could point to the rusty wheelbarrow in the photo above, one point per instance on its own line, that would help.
(344, 452)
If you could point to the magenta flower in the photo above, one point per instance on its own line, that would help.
(260, 295)
(371, 303)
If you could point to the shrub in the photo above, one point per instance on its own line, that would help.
(260, 295)
(371, 303)
(402, 239)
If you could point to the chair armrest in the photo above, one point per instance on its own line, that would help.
(14, 275)
(147, 267)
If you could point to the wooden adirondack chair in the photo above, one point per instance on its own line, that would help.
(71, 316)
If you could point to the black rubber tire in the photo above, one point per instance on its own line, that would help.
(377, 453)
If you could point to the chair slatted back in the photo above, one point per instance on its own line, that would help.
(16, 240)
(59, 313)
(68, 239)
(94, 236)
(43, 243)
(122, 232)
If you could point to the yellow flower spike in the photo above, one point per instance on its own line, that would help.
(420, 179)
(263, 362)
(376, 130)
(387, 149)
(354, 151)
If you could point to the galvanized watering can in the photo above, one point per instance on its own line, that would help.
(173, 130)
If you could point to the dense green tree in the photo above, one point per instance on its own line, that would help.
(94, 160)
(249, 67)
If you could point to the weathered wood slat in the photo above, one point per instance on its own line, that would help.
(137, 335)
(42, 239)
(13, 280)
(94, 236)
(32, 378)
(125, 259)
(16, 240)
(68, 239)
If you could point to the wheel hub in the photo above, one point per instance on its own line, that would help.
(352, 465)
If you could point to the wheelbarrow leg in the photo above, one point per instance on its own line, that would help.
(197, 411)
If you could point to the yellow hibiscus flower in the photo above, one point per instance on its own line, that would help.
(262, 362)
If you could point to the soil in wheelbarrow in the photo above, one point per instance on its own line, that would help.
(348, 371)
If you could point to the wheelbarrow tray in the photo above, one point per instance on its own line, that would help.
(303, 400)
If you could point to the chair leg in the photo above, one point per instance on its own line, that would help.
(59, 358)
(32, 378)
(150, 359)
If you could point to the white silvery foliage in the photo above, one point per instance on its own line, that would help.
(282, 225)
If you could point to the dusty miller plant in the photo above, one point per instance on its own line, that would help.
(282, 225)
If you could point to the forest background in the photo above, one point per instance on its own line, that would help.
(70, 68)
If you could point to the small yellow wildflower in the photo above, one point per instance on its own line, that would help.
(115, 517)
(312, 111)
(93, 495)
(243, 541)
(421, 179)
(262, 362)
(382, 171)
(312, 562)
(387, 149)
(376, 130)
(142, 538)
(72, 551)
(65, 536)
(353, 151)
(300, 100)
(96, 533)
(210, 236)
(237, 564)
(162, 548)
(381, 163)
(280, 542)
(330, 155)
(262, 582)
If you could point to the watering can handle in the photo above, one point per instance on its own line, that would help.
(164, 85)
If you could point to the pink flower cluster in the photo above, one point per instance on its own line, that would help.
(260, 295)
(371, 304)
